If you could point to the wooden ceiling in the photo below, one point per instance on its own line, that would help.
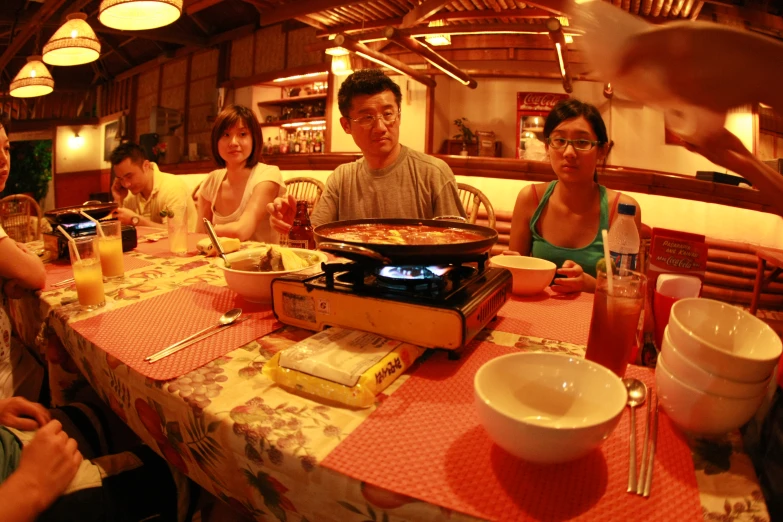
(26, 25)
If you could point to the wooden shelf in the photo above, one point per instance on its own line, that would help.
(291, 100)
(280, 123)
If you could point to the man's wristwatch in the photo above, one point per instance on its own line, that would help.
(135, 221)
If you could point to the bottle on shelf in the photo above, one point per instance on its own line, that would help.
(276, 146)
(301, 233)
(624, 238)
(297, 144)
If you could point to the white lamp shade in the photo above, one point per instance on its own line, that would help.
(74, 43)
(32, 80)
(138, 15)
(341, 65)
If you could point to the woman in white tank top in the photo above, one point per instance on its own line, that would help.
(234, 198)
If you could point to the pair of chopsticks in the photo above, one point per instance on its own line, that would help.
(193, 339)
(64, 282)
(648, 452)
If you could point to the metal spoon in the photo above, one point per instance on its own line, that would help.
(225, 320)
(216, 242)
(637, 393)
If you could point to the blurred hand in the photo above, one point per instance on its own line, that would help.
(698, 63)
(118, 192)
(49, 462)
(21, 414)
(124, 215)
(281, 213)
(573, 280)
(724, 149)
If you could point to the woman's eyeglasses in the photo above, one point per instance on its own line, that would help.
(580, 144)
(368, 120)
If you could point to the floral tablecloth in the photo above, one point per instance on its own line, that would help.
(258, 447)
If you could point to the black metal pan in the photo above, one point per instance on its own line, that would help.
(68, 215)
(388, 253)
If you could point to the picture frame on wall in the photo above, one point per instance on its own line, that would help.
(110, 140)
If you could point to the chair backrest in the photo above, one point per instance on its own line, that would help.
(20, 217)
(307, 189)
(472, 200)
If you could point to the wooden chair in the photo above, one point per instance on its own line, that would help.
(20, 217)
(308, 189)
(472, 199)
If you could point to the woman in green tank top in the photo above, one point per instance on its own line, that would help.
(562, 221)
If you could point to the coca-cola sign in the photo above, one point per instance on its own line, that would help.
(538, 101)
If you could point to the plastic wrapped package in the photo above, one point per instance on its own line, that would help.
(609, 32)
(341, 366)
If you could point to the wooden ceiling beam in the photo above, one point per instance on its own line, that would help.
(312, 22)
(561, 51)
(363, 51)
(116, 49)
(75, 7)
(423, 50)
(48, 9)
(164, 34)
(196, 6)
(558, 7)
(294, 9)
(748, 17)
(351, 28)
(697, 10)
(203, 26)
(422, 12)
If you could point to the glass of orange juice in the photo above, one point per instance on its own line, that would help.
(86, 263)
(110, 248)
(177, 221)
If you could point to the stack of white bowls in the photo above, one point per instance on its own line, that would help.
(715, 366)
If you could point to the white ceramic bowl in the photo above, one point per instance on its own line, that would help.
(530, 274)
(724, 340)
(700, 412)
(547, 407)
(257, 286)
(692, 374)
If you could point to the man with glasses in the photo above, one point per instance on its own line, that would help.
(391, 180)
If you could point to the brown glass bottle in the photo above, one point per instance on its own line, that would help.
(301, 233)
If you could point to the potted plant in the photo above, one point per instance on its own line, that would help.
(31, 169)
(465, 134)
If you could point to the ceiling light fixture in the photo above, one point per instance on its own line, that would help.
(74, 43)
(437, 39)
(341, 65)
(138, 15)
(335, 51)
(560, 59)
(32, 80)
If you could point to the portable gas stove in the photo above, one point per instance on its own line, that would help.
(442, 306)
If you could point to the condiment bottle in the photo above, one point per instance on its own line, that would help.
(301, 233)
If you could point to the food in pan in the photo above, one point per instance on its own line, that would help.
(401, 234)
(275, 259)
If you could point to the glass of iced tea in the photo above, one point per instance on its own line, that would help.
(615, 320)
(110, 248)
(86, 263)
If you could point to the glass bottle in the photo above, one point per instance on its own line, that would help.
(276, 146)
(301, 233)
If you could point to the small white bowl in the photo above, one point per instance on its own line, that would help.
(547, 407)
(691, 373)
(530, 274)
(256, 287)
(700, 412)
(724, 340)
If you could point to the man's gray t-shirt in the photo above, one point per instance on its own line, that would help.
(415, 186)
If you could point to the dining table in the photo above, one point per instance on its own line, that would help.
(419, 453)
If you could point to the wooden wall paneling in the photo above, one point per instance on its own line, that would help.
(185, 115)
(270, 50)
(147, 88)
(242, 57)
(202, 98)
(297, 52)
(74, 188)
(200, 127)
(331, 96)
(429, 137)
(204, 63)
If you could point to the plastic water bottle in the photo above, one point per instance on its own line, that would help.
(624, 238)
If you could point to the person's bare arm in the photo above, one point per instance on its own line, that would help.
(21, 266)
(256, 210)
(521, 239)
(204, 208)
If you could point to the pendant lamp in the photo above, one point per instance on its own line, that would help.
(341, 65)
(32, 80)
(74, 43)
(137, 15)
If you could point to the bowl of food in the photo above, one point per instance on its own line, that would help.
(252, 270)
(548, 407)
(724, 340)
(530, 274)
